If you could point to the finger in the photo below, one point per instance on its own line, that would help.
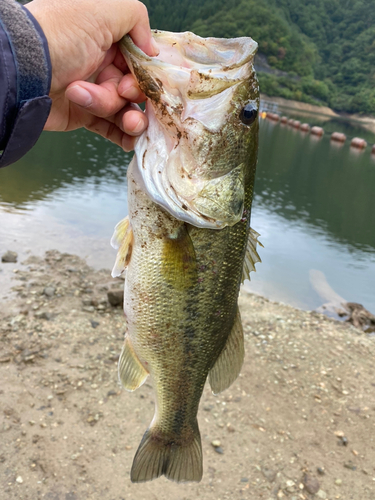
(129, 90)
(131, 120)
(101, 99)
(111, 132)
(119, 61)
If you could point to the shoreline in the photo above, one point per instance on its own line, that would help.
(293, 423)
(367, 122)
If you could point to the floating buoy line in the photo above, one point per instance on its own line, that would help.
(336, 137)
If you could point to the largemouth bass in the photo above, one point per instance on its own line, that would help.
(187, 243)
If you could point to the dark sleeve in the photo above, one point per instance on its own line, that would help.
(25, 80)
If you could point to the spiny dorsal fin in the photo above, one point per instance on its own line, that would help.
(131, 372)
(123, 240)
(251, 256)
(228, 365)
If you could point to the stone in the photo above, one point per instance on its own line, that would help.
(43, 315)
(115, 297)
(49, 291)
(269, 474)
(311, 484)
(9, 256)
(321, 494)
(19, 480)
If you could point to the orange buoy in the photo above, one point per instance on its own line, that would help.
(317, 131)
(290, 122)
(373, 150)
(338, 137)
(284, 119)
(296, 124)
(305, 127)
(273, 116)
(359, 143)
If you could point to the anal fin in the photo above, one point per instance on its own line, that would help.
(251, 256)
(123, 240)
(132, 373)
(228, 365)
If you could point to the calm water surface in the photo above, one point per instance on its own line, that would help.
(314, 207)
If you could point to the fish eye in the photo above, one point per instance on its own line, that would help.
(248, 114)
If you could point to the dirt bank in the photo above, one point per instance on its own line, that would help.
(297, 424)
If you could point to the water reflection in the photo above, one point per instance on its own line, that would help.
(61, 160)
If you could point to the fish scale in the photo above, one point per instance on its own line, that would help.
(183, 279)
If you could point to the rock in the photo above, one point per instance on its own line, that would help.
(321, 471)
(49, 291)
(311, 484)
(19, 480)
(269, 474)
(115, 297)
(43, 315)
(94, 324)
(88, 309)
(290, 486)
(338, 482)
(9, 256)
(321, 494)
(216, 443)
(219, 450)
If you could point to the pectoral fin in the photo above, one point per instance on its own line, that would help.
(132, 373)
(120, 232)
(251, 256)
(228, 364)
(123, 240)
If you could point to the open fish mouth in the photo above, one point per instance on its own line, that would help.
(192, 158)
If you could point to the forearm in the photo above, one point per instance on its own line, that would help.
(25, 78)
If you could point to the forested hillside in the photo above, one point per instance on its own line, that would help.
(319, 51)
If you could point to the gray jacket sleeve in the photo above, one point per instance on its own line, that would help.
(25, 79)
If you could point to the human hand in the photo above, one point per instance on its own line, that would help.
(91, 85)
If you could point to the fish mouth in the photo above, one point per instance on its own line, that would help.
(191, 87)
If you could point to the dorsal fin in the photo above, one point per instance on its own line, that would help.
(251, 256)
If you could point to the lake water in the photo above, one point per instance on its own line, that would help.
(314, 206)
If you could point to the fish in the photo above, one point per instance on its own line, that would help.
(186, 244)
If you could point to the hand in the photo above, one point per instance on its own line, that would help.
(91, 84)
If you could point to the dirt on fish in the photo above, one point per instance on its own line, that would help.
(299, 423)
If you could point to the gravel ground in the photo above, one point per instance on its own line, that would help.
(297, 424)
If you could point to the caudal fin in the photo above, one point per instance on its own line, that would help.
(158, 455)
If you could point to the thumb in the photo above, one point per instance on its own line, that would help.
(131, 17)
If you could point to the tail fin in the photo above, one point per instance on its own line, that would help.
(158, 455)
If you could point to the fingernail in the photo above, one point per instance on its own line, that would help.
(139, 127)
(155, 47)
(79, 96)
